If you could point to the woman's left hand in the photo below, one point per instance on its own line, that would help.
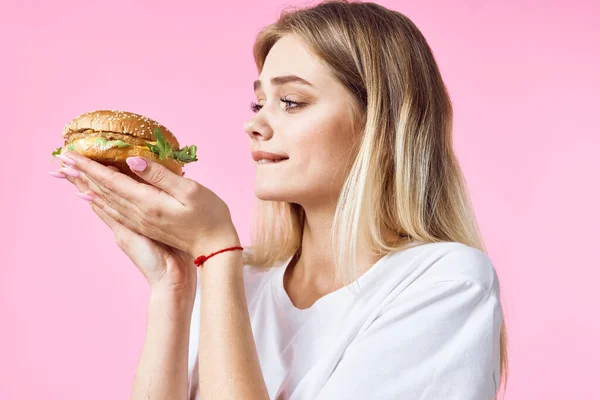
(171, 209)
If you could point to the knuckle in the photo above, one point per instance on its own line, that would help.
(83, 179)
(157, 176)
(108, 203)
(108, 210)
(95, 186)
(191, 189)
(108, 185)
(82, 187)
(152, 210)
(119, 219)
(141, 225)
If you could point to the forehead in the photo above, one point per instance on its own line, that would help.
(289, 56)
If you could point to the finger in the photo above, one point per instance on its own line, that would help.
(66, 170)
(80, 185)
(120, 221)
(161, 177)
(84, 184)
(113, 181)
(84, 188)
(57, 175)
(110, 198)
(99, 211)
(119, 218)
(118, 229)
(74, 180)
(107, 219)
(71, 177)
(94, 185)
(74, 175)
(118, 209)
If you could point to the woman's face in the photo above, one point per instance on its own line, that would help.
(314, 131)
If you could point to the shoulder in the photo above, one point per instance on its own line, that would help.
(256, 279)
(450, 261)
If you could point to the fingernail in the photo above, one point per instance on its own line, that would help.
(57, 175)
(137, 163)
(65, 159)
(84, 196)
(69, 171)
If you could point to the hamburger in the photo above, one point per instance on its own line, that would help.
(110, 136)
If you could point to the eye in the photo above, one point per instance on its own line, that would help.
(257, 107)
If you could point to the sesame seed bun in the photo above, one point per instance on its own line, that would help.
(117, 121)
(128, 127)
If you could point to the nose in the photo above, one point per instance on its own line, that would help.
(257, 129)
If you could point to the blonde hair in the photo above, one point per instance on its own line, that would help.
(404, 177)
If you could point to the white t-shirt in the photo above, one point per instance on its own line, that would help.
(426, 325)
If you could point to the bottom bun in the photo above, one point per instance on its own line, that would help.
(116, 156)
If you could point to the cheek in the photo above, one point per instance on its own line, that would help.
(320, 148)
(320, 167)
(323, 152)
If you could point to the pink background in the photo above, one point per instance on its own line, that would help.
(524, 81)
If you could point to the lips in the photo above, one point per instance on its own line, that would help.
(263, 155)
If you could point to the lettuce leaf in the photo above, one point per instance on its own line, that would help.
(186, 155)
(56, 152)
(117, 143)
(164, 150)
(103, 142)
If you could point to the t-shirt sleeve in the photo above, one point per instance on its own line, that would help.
(436, 341)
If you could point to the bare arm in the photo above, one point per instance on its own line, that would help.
(162, 372)
(228, 362)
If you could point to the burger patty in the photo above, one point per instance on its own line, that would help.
(108, 135)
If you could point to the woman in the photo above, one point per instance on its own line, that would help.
(366, 278)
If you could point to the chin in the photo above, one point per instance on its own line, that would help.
(268, 195)
(273, 192)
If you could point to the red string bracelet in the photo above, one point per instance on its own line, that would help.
(200, 260)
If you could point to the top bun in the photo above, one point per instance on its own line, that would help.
(117, 121)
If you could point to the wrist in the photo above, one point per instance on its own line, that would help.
(228, 238)
(222, 269)
(178, 299)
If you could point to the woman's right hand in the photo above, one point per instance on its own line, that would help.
(165, 268)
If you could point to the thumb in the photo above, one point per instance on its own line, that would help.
(157, 175)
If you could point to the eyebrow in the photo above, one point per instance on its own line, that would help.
(280, 80)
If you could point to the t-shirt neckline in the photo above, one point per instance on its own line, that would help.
(302, 314)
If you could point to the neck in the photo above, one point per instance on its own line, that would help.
(313, 266)
(314, 263)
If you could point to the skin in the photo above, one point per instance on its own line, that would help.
(317, 137)
(163, 225)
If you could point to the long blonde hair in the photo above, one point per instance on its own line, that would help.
(404, 177)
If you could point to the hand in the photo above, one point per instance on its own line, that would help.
(171, 209)
(165, 268)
